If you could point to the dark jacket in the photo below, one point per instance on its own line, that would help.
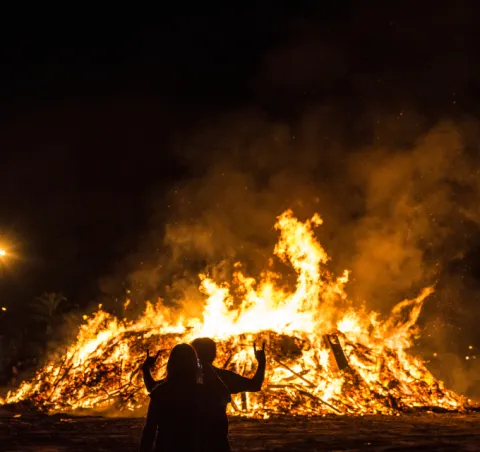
(175, 419)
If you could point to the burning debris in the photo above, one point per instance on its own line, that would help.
(324, 355)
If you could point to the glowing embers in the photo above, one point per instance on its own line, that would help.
(325, 354)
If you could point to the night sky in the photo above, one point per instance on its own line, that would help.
(93, 114)
(88, 116)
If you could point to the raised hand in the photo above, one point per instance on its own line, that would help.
(150, 360)
(260, 353)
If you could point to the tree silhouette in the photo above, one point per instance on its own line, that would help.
(46, 309)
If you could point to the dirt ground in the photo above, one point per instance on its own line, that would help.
(427, 432)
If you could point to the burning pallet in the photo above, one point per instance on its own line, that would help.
(337, 354)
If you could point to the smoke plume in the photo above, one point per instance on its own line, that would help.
(398, 191)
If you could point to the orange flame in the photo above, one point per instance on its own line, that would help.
(101, 369)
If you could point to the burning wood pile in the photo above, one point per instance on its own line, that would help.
(324, 355)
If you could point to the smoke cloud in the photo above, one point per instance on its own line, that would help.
(395, 215)
(398, 215)
(398, 191)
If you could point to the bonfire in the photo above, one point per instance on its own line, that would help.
(325, 354)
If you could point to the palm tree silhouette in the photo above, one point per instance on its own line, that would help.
(46, 308)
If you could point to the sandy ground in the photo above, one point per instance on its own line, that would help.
(427, 432)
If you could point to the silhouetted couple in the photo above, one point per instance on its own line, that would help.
(187, 410)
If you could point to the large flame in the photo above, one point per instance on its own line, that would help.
(305, 371)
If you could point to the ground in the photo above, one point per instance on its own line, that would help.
(426, 432)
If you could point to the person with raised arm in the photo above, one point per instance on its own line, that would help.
(220, 384)
(176, 413)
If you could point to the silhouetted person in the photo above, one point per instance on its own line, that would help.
(175, 419)
(220, 384)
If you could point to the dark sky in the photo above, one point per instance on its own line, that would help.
(90, 112)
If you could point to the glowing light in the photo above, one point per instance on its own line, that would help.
(470, 347)
(100, 369)
(3, 253)
(4, 308)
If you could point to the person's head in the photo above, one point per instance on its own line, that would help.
(182, 364)
(206, 349)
